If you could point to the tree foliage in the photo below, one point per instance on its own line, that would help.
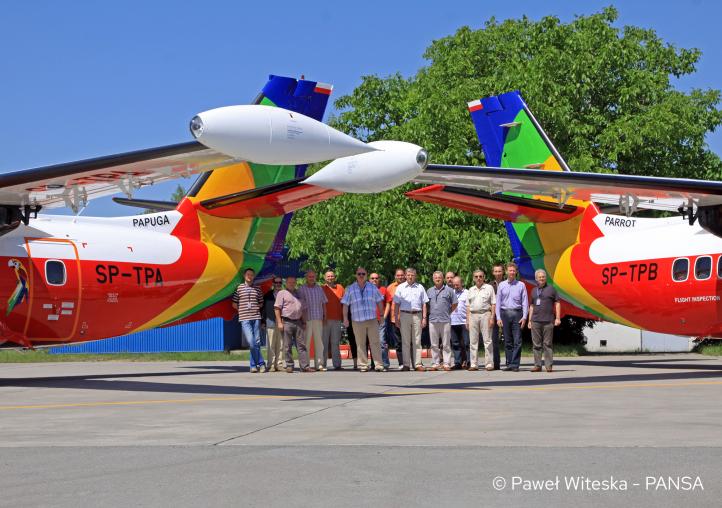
(605, 95)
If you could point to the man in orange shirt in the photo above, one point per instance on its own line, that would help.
(392, 330)
(334, 317)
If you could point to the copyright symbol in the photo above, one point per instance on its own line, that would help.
(499, 483)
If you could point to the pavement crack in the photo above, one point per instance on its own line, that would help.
(298, 417)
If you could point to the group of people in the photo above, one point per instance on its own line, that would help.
(376, 318)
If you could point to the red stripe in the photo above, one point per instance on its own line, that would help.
(325, 91)
(476, 107)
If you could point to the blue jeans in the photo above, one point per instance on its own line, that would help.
(384, 345)
(252, 332)
(512, 335)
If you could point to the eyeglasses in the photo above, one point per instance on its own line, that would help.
(361, 274)
(277, 282)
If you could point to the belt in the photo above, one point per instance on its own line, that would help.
(515, 309)
(411, 311)
(480, 311)
(289, 319)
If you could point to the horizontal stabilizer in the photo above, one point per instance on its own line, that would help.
(267, 201)
(508, 208)
(150, 204)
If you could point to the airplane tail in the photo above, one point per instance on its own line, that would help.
(511, 137)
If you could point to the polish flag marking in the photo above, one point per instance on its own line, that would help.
(323, 88)
(475, 105)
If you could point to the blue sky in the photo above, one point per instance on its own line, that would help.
(83, 79)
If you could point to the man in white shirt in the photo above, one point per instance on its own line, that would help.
(479, 319)
(459, 332)
(410, 299)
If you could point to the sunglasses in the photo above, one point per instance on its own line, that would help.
(361, 273)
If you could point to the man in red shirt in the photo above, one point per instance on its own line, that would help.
(394, 332)
(332, 326)
(375, 279)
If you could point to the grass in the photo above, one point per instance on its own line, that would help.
(38, 356)
(712, 349)
(559, 350)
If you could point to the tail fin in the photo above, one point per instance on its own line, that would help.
(511, 137)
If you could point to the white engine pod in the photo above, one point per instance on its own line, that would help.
(271, 135)
(395, 163)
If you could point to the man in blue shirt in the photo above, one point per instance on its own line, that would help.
(512, 305)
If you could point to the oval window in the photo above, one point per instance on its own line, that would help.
(680, 269)
(703, 268)
(55, 272)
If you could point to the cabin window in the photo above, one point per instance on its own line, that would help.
(719, 267)
(55, 272)
(680, 269)
(703, 268)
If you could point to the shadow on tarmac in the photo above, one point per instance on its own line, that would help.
(675, 370)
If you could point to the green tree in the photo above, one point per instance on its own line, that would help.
(604, 95)
(178, 194)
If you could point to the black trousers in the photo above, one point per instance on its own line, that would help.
(460, 344)
(496, 342)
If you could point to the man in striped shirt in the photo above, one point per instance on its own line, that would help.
(248, 301)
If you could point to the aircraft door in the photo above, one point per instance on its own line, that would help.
(55, 290)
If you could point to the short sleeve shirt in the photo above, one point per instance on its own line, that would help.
(269, 300)
(440, 302)
(410, 298)
(334, 310)
(314, 299)
(481, 299)
(249, 300)
(458, 317)
(542, 301)
(363, 302)
(290, 304)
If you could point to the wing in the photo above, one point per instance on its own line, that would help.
(629, 191)
(74, 184)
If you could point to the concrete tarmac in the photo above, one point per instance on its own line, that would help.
(639, 430)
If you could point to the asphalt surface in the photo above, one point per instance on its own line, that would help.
(598, 431)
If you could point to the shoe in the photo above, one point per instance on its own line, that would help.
(404, 369)
(322, 369)
(420, 368)
(489, 368)
(338, 368)
(434, 367)
(496, 367)
(272, 368)
(549, 369)
(262, 369)
(464, 365)
(515, 369)
(289, 370)
(446, 368)
(380, 369)
(364, 369)
(254, 370)
(507, 369)
(307, 369)
(473, 367)
(536, 368)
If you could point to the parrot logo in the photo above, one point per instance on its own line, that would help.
(20, 293)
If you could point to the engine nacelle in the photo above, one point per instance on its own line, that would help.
(395, 163)
(271, 135)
